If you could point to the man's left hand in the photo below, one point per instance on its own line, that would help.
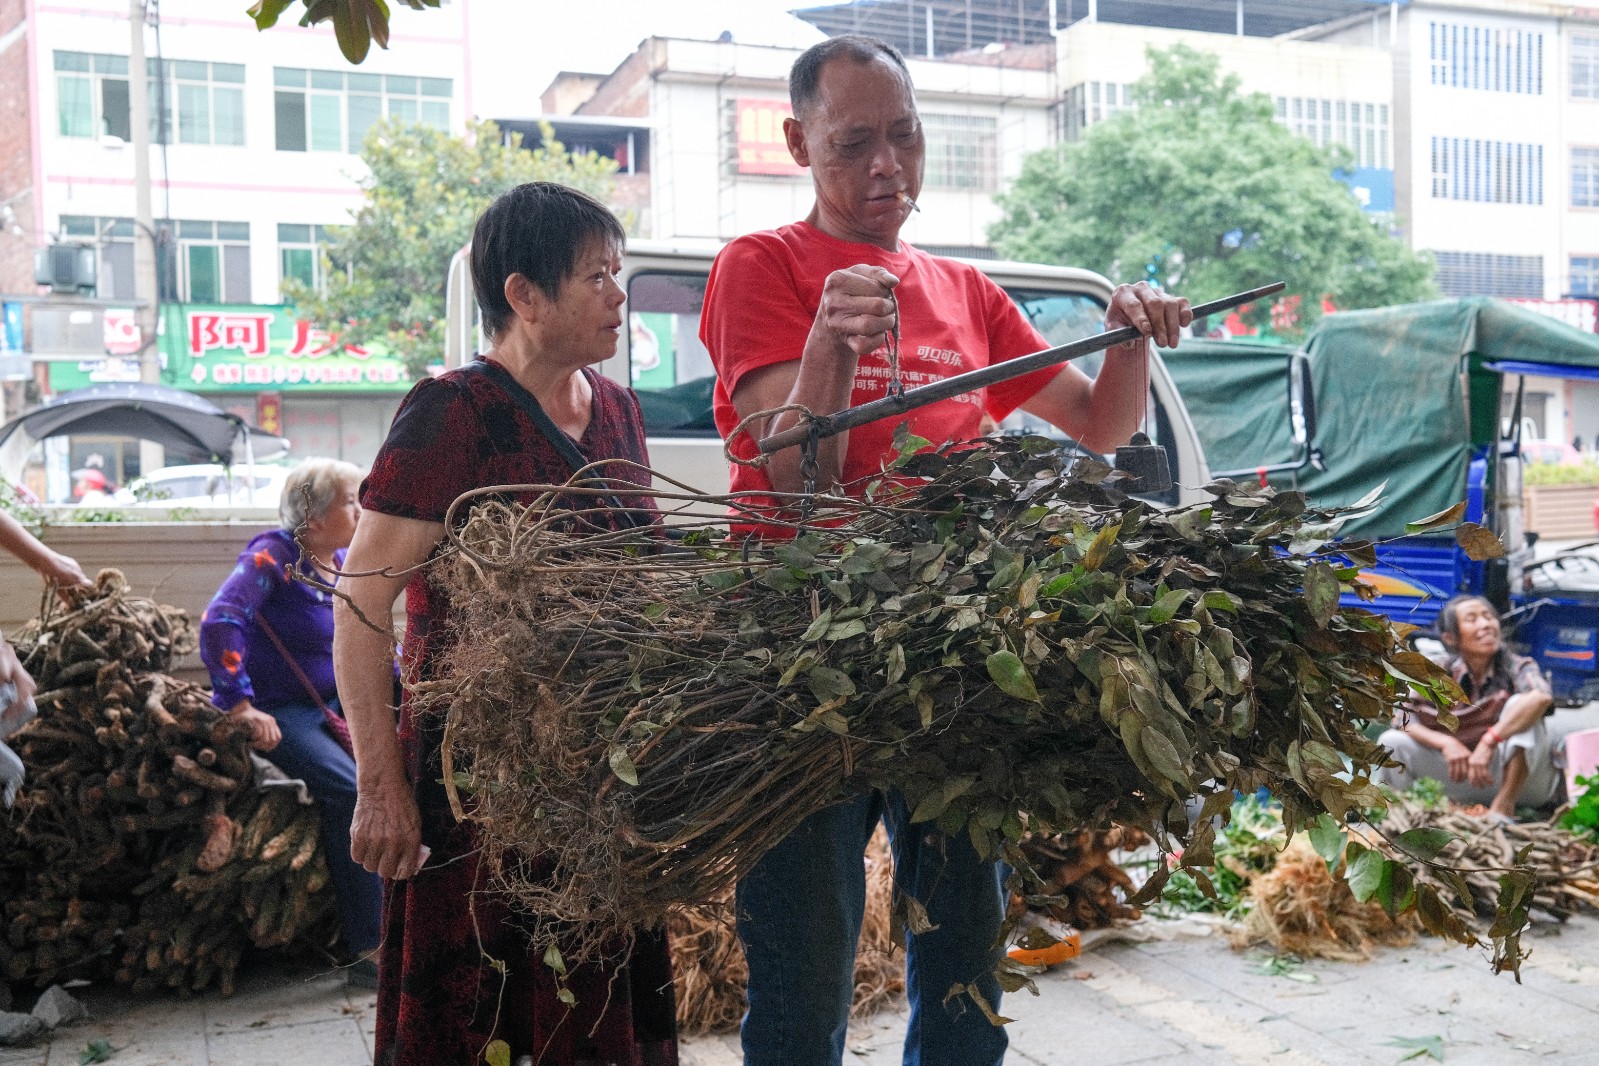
(1158, 315)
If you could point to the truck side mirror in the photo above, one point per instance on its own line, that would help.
(1301, 400)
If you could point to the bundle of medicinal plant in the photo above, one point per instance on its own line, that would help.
(994, 629)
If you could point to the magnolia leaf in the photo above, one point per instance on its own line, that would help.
(1365, 875)
(622, 767)
(497, 1053)
(1478, 542)
(1370, 498)
(1099, 549)
(1009, 672)
(1328, 838)
(1443, 518)
(266, 12)
(1321, 592)
(1220, 600)
(895, 667)
(826, 683)
(1424, 843)
(916, 920)
(1166, 608)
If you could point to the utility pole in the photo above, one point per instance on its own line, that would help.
(145, 282)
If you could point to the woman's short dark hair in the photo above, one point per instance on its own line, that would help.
(807, 69)
(537, 230)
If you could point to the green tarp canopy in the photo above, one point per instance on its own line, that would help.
(1403, 394)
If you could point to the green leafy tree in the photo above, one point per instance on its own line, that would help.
(1199, 190)
(386, 273)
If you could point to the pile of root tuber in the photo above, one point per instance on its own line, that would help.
(993, 629)
(709, 972)
(1079, 877)
(140, 848)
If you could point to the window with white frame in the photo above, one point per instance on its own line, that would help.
(1362, 126)
(300, 254)
(1091, 102)
(91, 95)
(962, 152)
(113, 241)
(1584, 275)
(1490, 58)
(1585, 66)
(207, 263)
(1585, 177)
(332, 110)
(1492, 172)
(204, 102)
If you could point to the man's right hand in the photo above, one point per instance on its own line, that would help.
(386, 833)
(1458, 756)
(857, 308)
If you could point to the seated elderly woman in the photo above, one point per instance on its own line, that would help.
(1499, 754)
(267, 641)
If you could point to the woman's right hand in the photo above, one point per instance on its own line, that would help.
(1458, 756)
(264, 731)
(386, 833)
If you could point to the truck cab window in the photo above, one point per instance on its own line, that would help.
(670, 369)
(1066, 317)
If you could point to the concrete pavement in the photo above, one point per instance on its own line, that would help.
(1188, 1000)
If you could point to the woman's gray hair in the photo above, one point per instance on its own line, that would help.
(312, 487)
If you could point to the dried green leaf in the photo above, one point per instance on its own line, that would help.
(1009, 672)
(1478, 542)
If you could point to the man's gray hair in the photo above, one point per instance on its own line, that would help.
(806, 72)
(311, 489)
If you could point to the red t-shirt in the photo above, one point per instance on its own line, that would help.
(762, 297)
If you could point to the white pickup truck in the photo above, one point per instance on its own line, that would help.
(662, 359)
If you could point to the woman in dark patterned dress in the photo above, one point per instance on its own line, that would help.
(544, 264)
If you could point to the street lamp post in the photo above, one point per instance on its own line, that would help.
(145, 282)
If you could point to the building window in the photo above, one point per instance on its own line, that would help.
(92, 95)
(1360, 126)
(1585, 177)
(1584, 66)
(207, 263)
(332, 110)
(1487, 58)
(1584, 275)
(1462, 274)
(204, 101)
(1493, 172)
(962, 152)
(300, 254)
(1091, 102)
(113, 241)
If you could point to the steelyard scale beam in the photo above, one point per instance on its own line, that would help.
(972, 380)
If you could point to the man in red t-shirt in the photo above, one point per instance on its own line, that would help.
(801, 315)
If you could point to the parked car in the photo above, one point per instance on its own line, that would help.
(1550, 451)
(205, 485)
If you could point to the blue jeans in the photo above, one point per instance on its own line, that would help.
(799, 917)
(309, 752)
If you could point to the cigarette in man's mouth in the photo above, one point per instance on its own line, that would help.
(911, 203)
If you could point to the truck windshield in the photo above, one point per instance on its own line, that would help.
(672, 374)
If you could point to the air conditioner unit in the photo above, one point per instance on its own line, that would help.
(65, 268)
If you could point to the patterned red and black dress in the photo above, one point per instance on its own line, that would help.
(439, 1001)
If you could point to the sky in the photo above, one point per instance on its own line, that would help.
(518, 46)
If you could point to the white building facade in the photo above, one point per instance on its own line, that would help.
(718, 162)
(257, 153)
